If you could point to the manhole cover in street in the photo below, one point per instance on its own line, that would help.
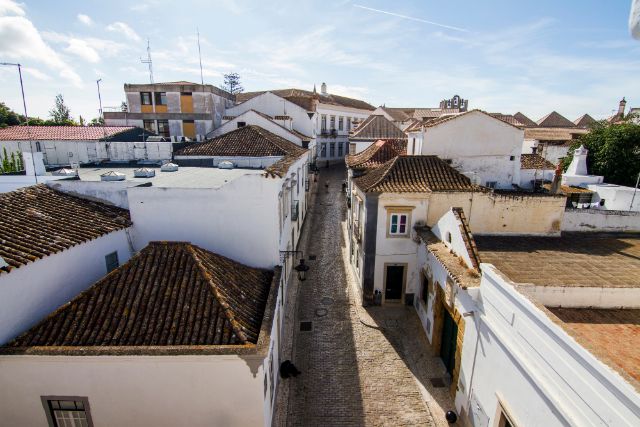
(321, 312)
(306, 326)
(326, 301)
(437, 382)
(312, 257)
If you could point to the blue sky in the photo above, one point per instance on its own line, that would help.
(504, 56)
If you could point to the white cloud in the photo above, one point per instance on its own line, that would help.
(9, 7)
(20, 40)
(37, 74)
(90, 49)
(85, 19)
(82, 49)
(125, 30)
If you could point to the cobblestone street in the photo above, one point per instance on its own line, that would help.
(359, 366)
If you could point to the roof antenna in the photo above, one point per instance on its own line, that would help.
(148, 61)
(200, 56)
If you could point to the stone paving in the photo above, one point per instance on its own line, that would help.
(359, 366)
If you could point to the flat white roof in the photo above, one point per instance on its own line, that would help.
(184, 177)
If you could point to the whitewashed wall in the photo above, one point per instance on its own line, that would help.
(528, 175)
(14, 182)
(31, 292)
(110, 192)
(447, 229)
(478, 143)
(582, 296)
(545, 377)
(137, 390)
(253, 118)
(616, 197)
(600, 220)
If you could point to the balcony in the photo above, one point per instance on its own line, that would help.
(295, 210)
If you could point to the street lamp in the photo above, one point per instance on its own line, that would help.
(26, 117)
(302, 269)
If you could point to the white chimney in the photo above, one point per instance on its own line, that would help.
(323, 88)
(578, 165)
(34, 163)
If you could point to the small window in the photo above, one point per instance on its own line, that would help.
(340, 149)
(447, 237)
(149, 125)
(348, 119)
(398, 224)
(161, 98)
(67, 411)
(242, 124)
(112, 261)
(163, 127)
(333, 123)
(602, 201)
(323, 122)
(340, 123)
(512, 158)
(145, 98)
(332, 149)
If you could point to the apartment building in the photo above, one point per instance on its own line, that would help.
(173, 109)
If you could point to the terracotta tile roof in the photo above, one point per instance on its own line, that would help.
(429, 113)
(169, 294)
(67, 133)
(38, 221)
(566, 189)
(377, 154)
(306, 99)
(575, 259)
(415, 126)
(553, 134)
(555, 120)
(584, 121)
(612, 335)
(272, 120)
(377, 127)
(508, 118)
(399, 114)
(526, 121)
(535, 161)
(414, 174)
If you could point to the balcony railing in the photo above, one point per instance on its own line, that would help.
(295, 209)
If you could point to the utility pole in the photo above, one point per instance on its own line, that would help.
(26, 117)
(634, 192)
(148, 61)
(104, 131)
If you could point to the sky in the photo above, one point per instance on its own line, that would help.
(572, 56)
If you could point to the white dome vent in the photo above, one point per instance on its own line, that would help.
(169, 167)
(226, 164)
(144, 173)
(112, 176)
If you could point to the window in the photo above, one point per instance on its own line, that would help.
(512, 158)
(149, 125)
(352, 148)
(163, 127)
(323, 123)
(340, 149)
(145, 98)
(340, 123)
(242, 124)
(112, 261)
(492, 184)
(323, 150)
(398, 224)
(333, 123)
(332, 149)
(161, 98)
(67, 411)
(425, 290)
(348, 123)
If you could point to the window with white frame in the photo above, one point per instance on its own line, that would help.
(332, 149)
(67, 411)
(332, 123)
(323, 122)
(348, 119)
(340, 123)
(398, 224)
(340, 149)
(323, 150)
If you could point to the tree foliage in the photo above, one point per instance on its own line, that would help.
(61, 114)
(8, 117)
(232, 83)
(614, 151)
(10, 162)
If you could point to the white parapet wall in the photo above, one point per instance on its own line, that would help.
(600, 220)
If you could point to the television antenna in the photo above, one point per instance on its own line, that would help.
(149, 62)
(200, 56)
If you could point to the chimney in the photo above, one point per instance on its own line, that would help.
(578, 164)
(623, 103)
(323, 88)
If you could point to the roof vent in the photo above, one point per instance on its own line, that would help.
(169, 167)
(65, 172)
(112, 176)
(226, 164)
(144, 173)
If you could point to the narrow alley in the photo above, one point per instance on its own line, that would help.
(359, 366)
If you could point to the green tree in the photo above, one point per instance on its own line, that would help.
(8, 117)
(614, 151)
(61, 114)
(97, 121)
(232, 83)
(6, 166)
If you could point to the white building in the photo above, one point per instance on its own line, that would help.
(535, 170)
(77, 145)
(177, 333)
(552, 135)
(408, 191)
(480, 146)
(332, 116)
(53, 246)
(563, 342)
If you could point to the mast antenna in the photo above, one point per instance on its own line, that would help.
(200, 56)
(149, 62)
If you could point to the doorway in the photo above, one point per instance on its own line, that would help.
(448, 342)
(394, 283)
